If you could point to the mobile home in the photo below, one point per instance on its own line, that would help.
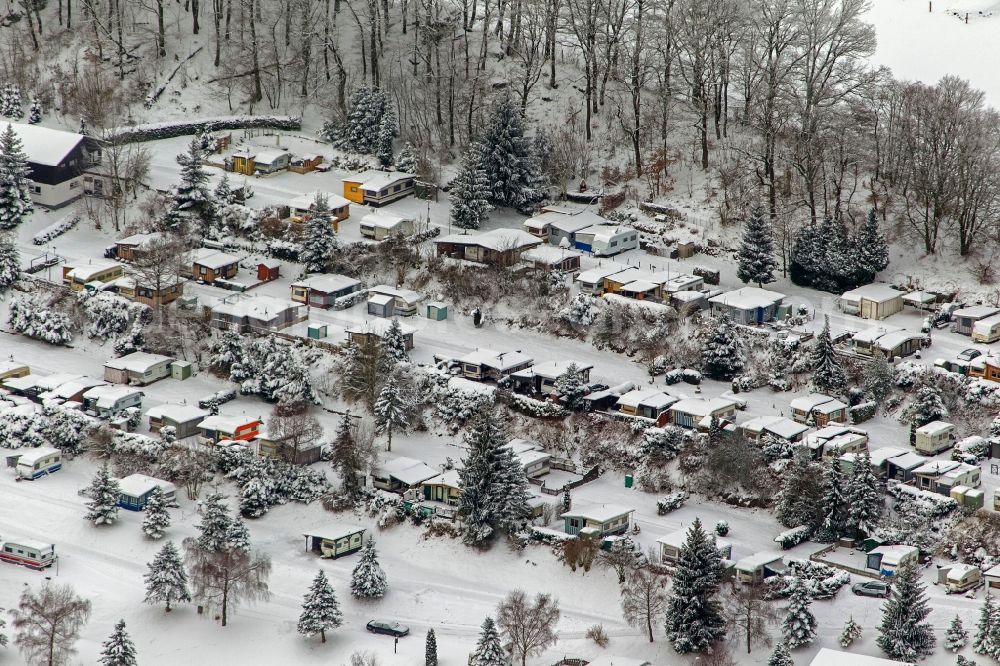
(378, 188)
(109, 401)
(887, 559)
(966, 318)
(138, 368)
(335, 541)
(136, 489)
(380, 225)
(987, 330)
(28, 552)
(755, 568)
(748, 305)
(605, 240)
(934, 437)
(37, 462)
(872, 301)
(670, 546)
(598, 520)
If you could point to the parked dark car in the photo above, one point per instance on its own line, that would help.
(969, 354)
(388, 628)
(871, 588)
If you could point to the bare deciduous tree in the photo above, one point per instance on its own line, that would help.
(747, 609)
(529, 627)
(48, 623)
(223, 579)
(644, 599)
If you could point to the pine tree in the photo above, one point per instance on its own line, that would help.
(390, 410)
(694, 619)
(801, 499)
(15, 189)
(216, 524)
(392, 348)
(10, 262)
(386, 133)
(321, 243)
(871, 252)
(510, 489)
(984, 642)
(799, 626)
(104, 493)
(903, 632)
(470, 192)
(191, 196)
(157, 518)
(255, 497)
(118, 649)
(35, 114)
(864, 499)
(962, 661)
(781, 656)
(851, 632)
(320, 610)
(927, 406)
(368, 579)
(507, 157)
(834, 506)
(878, 377)
(14, 104)
(406, 160)
(956, 637)
(828, 374)
(431, 649)
(722, 352)
(571, 388)
(756, 253)
(489, 650)
(366, 107)
(166, 579)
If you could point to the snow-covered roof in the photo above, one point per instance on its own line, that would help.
(574, 222)
(547, 254)
(908, 461)
(671, 281)
(960, 570)
(748, 298)
(960, 470)
(919, 298)
(495, 239)
(976, 311)
(538, 222)
(138, 362)
(870, 335)
(44, 145)
(550, 370)
(327, 283)
(140, 240)
(107, 396)
(894, 554)
(493, 359)
(893, 339)
(71, 388)
(935, 428)
(31, 456)
(227, 424)
(448, 478)
(628, 275)
(54, 381)
(780, 426)
(259, 307)
(214, 259)
(599, 513)
(333, 531)
(594, 275)
(753, 562)
(936, 467)
(807, 403)
(993, 571)
(408, 471)
(408, 296)
(383, 220)
(637, 397)
(86, 271)
(527, 458)
(613, 660)
(306, 201)
(639, 286)
(378, 327)
(24, 383)
(677, 538)
(381, 299)
(985, 324)
(701, 406)
(376, 180)
(828, 657)
(177, 413)
(687, 296)
(604, 231)
(518, 445)
(31, 544)
(271, 155)
(137, 485)
(880, 293)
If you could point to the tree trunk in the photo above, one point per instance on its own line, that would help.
(195, 10)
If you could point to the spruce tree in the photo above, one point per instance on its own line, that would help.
(722, 351)
(10, 262)
(166, 579)
(390, 411)
(962, 661)
(157, 518)
(320, 610)
(406, 160)
(799, 626)
(871, 252)
(118, 650)
(851, 632)
(216, 524)
(878, 377)
(828, 374)
(756, 253)
(392, 348)
(694, 620)
(321, 242)
(904, 632)
(368, 579)
(431, 649)
(984, 642)
(806, 258)
(571, 388)
(508, 158)
(15, 188)
(489, 650)
(864, 497)
(927, 406)
(256, 497)
(15, 108)
(104, 493)
(191, 198)
(470, 192)
(35, 114)
(781, 656)
(801, 499)
(511, 492)
(956, 637)
(834, 506)
(386, 133)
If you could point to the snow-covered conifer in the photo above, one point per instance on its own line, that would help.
(157, 518)
(904, 632)
(851, 632)
(828, 374)
(104, 493)
(871, 252)
(391, 411)
(431, 649)
(10, 262)
(406, 159)
(215, 524)
(507, 158)
(956, 637)
(694, 620)
(877, 378)
(15, 188)
(392, 347)
(35, 114)
(489, 650)
(118, 650)
(570, 387)
(800, 500)
(834, 508)
(368, 579)
(256, 497)
(166, 579)
(927, 406)
(756, 253)
(799, 625)
(722, 354)
(984, 641)
(320, 609)
(470, 192)
(191, 196)
(321, 243)
(387, 131)
(781, 656)
(864, 498)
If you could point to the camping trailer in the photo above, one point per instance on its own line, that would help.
(38, 462)
(32, 554)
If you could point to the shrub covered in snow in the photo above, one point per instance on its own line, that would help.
(971, 450)
(170, 129)
(55, 426)
(56, 229)
(922, 501)
(30, 318)
(671, 502)
(862, 412)
(538, 408)
(822, 581)
(793, 537)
